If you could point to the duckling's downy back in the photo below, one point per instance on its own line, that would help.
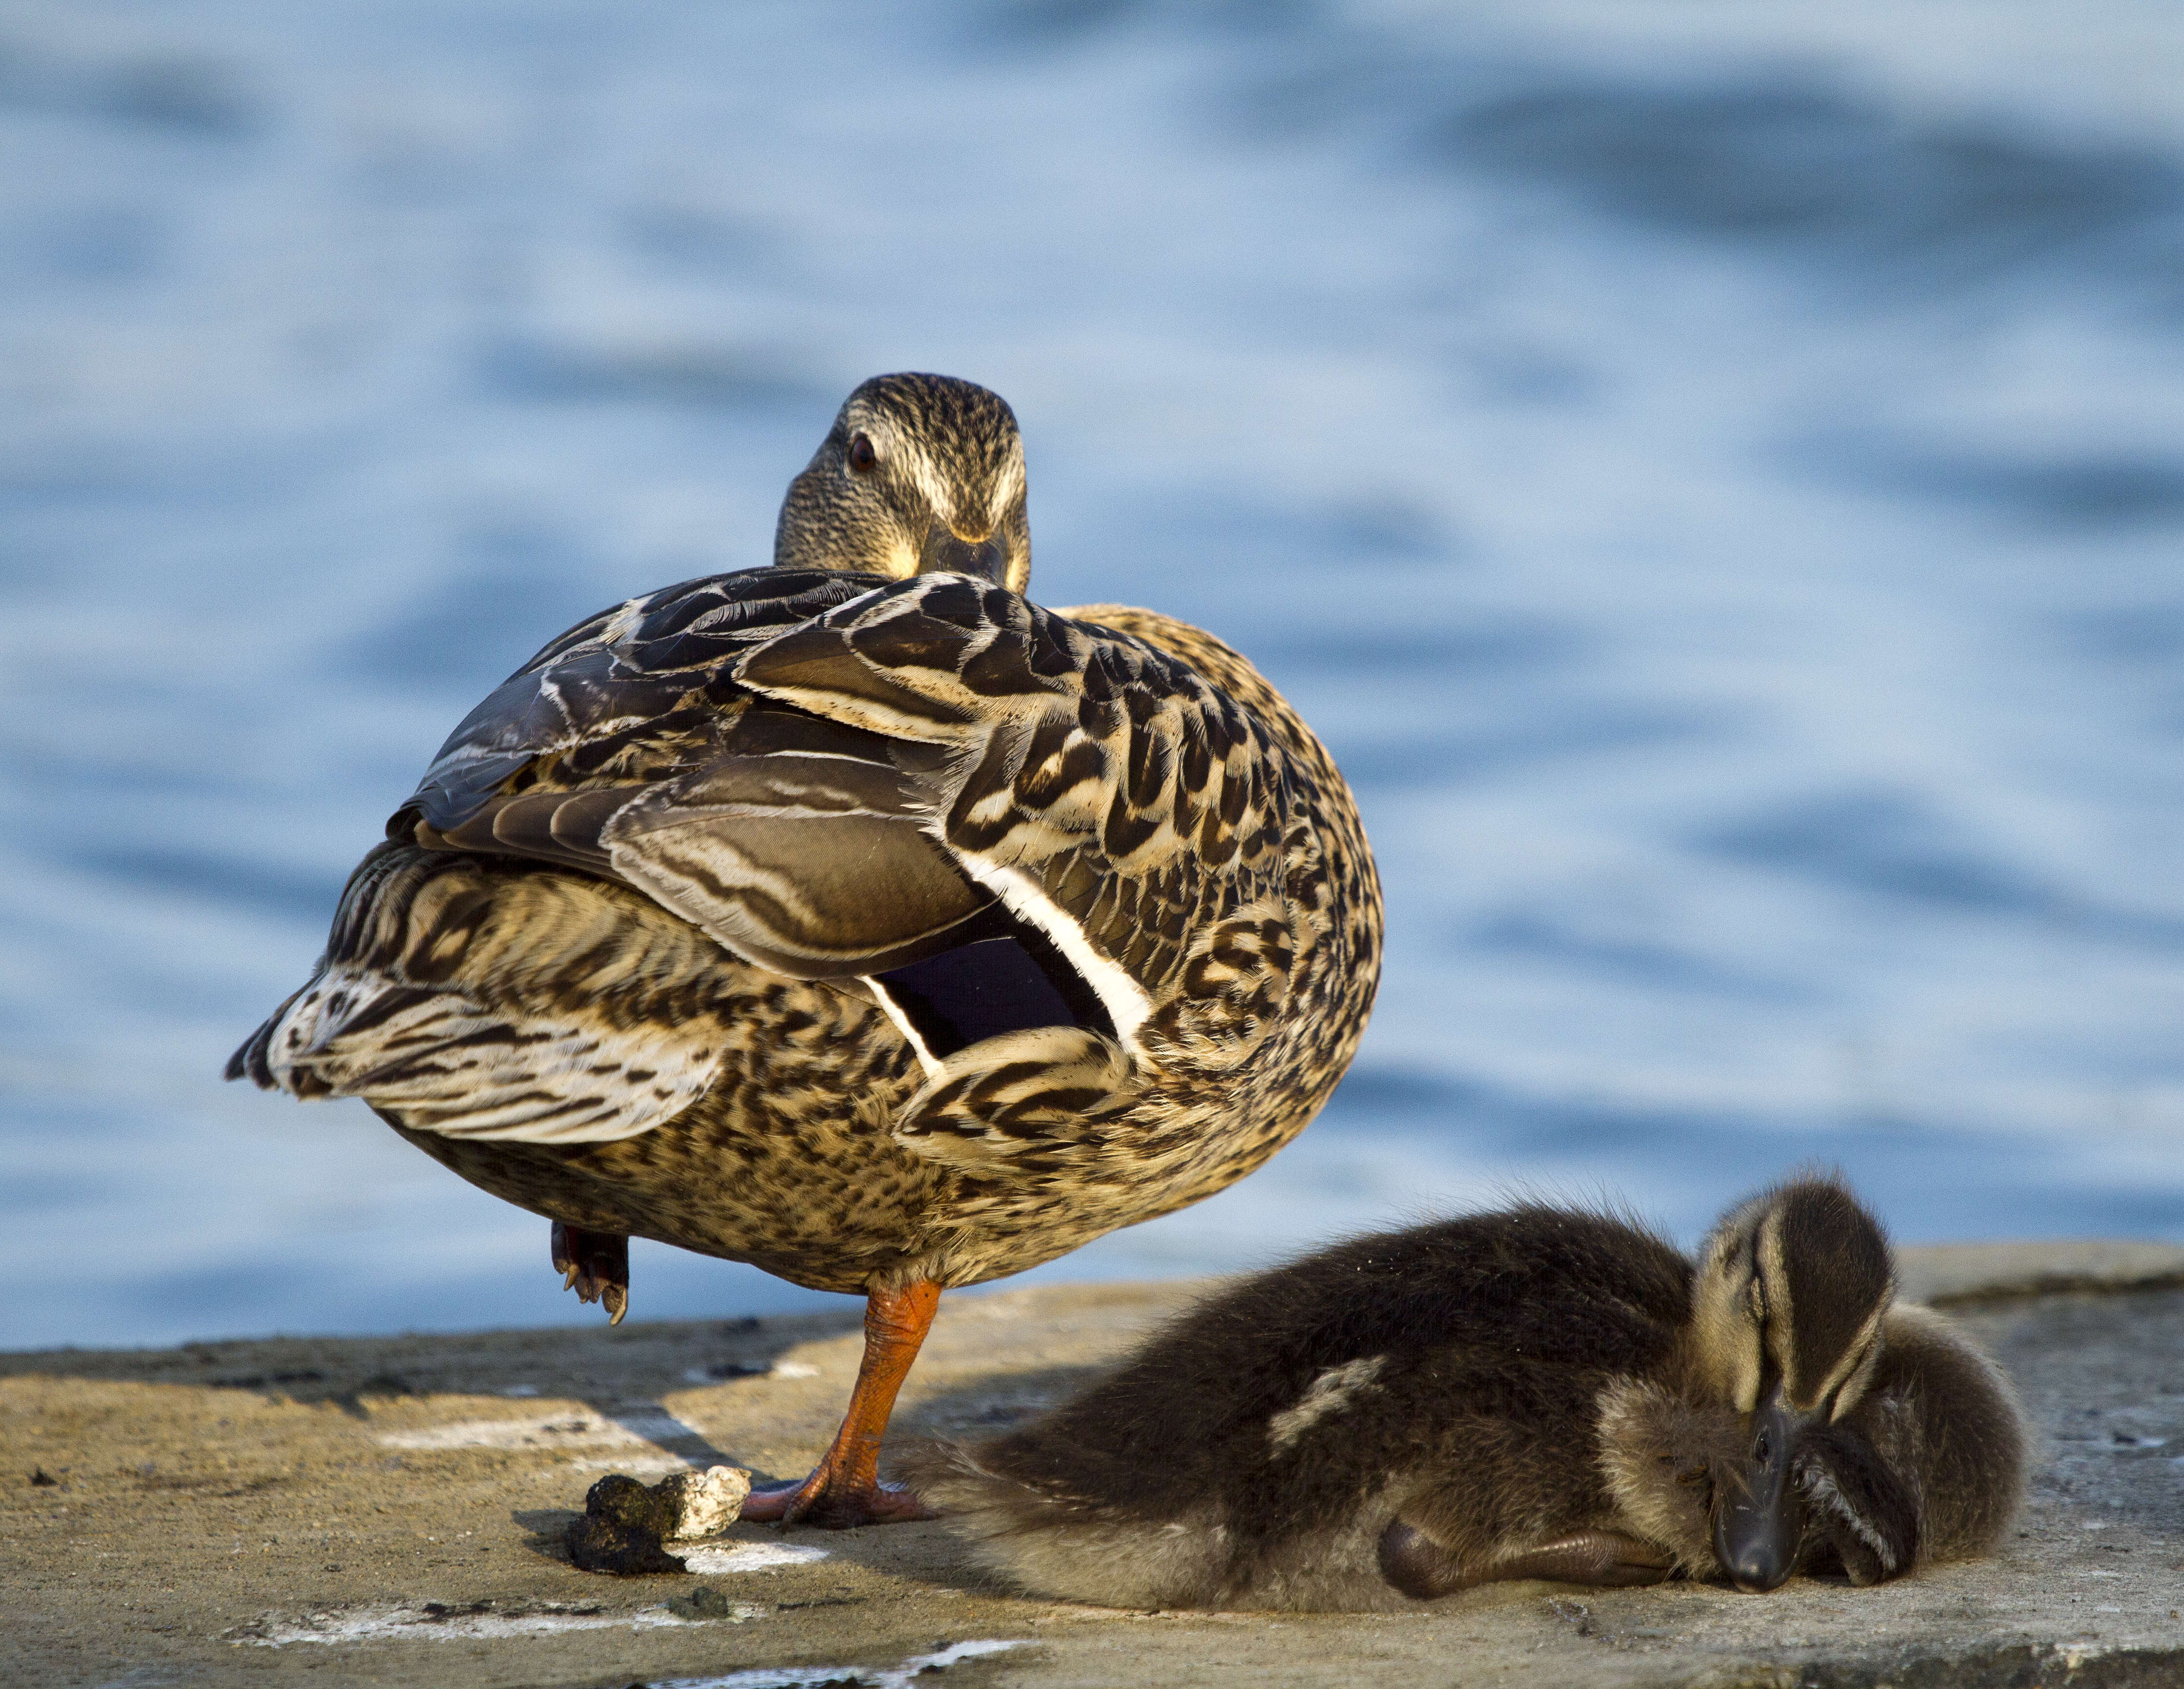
(1254, 1452)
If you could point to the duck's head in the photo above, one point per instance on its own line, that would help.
(1787, 1308)
(919, 475)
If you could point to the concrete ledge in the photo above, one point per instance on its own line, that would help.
(389, 1510)
(1953, 1275)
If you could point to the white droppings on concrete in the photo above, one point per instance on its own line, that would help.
(570, 1428)
(419, 1621)
(547, 1430)
(635, 1465)
(734, 1373)
(871, 1676)
(658, 1427)
(745, 1557)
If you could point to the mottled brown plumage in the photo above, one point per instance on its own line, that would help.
(869, 923)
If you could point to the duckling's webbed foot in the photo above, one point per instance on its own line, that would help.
(595, 1265)
(1866, 1513)
(1415, 1564)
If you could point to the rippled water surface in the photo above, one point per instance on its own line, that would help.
(1713, 477)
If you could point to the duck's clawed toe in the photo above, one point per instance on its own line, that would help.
(595, 1265)
(826, 1500)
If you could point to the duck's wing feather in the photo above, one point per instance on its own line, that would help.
(834, 777)
(627, 749)
(1104, 789)
(616, 696)
(1040, 841)
(1117, 803)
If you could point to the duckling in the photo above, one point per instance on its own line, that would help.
(1538, 1393)
(856, 917)
(1874, 1437)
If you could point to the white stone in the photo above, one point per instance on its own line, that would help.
(704, 1503)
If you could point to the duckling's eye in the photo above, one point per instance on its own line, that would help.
(862, 455)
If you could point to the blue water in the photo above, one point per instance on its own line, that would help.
(1713, 474)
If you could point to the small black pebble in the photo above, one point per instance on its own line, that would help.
(625, 1502)
(43, 1479)
(602, 1544)
(704, 1601)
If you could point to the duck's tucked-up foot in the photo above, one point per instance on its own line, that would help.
(595, 1265)
(844, 1489)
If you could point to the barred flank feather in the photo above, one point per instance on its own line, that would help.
(464, 998)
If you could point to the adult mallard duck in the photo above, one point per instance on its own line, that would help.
(856, 918)
(1541, 1393)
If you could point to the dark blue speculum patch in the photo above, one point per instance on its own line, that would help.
(1008, 983)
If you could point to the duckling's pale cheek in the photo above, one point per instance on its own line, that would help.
(1728, 1345)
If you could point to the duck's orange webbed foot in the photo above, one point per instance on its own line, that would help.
(844, 1489)
(826, 1500)
(595, 1265)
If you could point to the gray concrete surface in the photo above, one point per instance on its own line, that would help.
(389, 1511)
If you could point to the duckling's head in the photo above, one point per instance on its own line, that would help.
(1787, 1308)
(919, 475)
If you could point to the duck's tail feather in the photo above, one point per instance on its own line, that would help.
(1054, 1542)
(252, 1060)
(482, 998)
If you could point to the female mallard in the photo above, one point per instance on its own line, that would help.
(856, 918)
(1535, 1394)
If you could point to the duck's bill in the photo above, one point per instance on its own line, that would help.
(1758, 1517)
(948, 553)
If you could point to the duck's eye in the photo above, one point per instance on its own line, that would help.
(862, 456)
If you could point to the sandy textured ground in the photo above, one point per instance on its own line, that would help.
(390, 1511)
